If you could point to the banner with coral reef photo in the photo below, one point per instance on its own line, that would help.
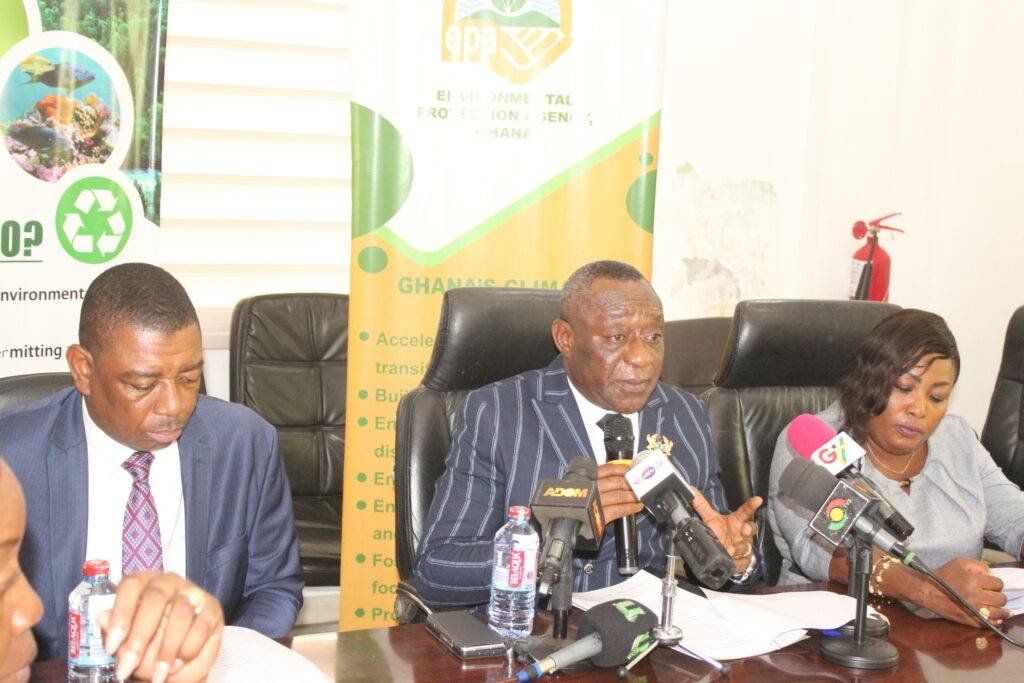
(495, 143)
(80, 120)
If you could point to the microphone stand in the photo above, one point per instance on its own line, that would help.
(665, 632)
(561, 600)
(860, 651)
(536, 648)
(875, 625)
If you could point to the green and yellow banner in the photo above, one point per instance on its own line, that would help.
(80, 120)
(494, 143)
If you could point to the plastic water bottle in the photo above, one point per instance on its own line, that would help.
(87, 660)
(514, 580)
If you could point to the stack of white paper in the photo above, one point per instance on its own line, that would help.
(1013, 587)
(732, 626)
(246, 655)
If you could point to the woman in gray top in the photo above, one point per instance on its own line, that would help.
(928, 464)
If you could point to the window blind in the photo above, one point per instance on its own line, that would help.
(256, 192)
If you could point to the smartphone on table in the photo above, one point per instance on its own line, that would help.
(466, 635)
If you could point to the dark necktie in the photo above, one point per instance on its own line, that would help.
(141, 549)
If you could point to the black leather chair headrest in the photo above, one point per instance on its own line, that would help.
(794, 342)
(489, 333)
(20, 390)
(1003, 434)
(1012, 366)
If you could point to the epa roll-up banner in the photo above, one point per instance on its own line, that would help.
(494, 143)
(80, 100)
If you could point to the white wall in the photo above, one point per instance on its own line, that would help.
(256, 154)
(783, 123)
(799, 118)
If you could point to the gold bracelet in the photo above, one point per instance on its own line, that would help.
(875, 581)
(871, 577)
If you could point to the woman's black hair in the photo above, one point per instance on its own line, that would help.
(894, 346)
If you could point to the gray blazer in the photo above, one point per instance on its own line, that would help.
(960, 498)
(240, 538)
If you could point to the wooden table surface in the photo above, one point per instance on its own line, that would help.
(930, 650)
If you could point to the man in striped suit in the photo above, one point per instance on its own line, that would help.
(512, 433)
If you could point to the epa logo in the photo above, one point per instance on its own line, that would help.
(94, 220)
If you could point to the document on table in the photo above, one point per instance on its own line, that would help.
(1013, 587)
(733, 625)
(246, 655)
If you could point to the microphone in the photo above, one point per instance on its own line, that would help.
(816, 441)
(813, 439)
(841, 509)
(664, 491)
(618, 446)
(570, 515)
(610, 634)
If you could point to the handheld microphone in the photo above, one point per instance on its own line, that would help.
(665, 492)
(813, 439)
(618, 446)
(610, 634)
(841, 509)
(570, 514)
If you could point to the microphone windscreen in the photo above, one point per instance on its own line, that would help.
(624, 626)
(808, 483)
(807, 433)
(618, 433)
(581, 468)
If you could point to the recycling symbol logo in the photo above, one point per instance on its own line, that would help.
(94, 220)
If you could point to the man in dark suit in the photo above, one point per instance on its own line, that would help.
(215, 506)
(512, 433)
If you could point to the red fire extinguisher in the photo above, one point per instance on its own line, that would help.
(869, 274)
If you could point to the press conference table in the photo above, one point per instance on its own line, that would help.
(930, 650)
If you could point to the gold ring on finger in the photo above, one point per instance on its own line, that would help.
(984, 611)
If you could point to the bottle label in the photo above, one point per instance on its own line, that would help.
(515, 568)
(74, 635)
(519, 572)
(85, 639)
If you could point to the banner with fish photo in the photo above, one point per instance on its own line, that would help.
(80, 122)
(495, 143)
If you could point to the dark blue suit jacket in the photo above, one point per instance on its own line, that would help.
(508, 436)
(240, 539)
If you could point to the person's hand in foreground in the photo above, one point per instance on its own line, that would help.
(163, 628)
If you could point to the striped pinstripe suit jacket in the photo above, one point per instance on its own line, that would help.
(515, 432)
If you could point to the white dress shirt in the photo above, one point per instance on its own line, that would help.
(591, 415)
(109, 488)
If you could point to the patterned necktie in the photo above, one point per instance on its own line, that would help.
(140, 539)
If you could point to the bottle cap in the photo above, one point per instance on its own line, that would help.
(519, 512)
(95, 568)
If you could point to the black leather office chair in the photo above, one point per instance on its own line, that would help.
(782, 358)
(693, 352)
(289, 360)
(484, 334)
(19, 390)
(1005, 421)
